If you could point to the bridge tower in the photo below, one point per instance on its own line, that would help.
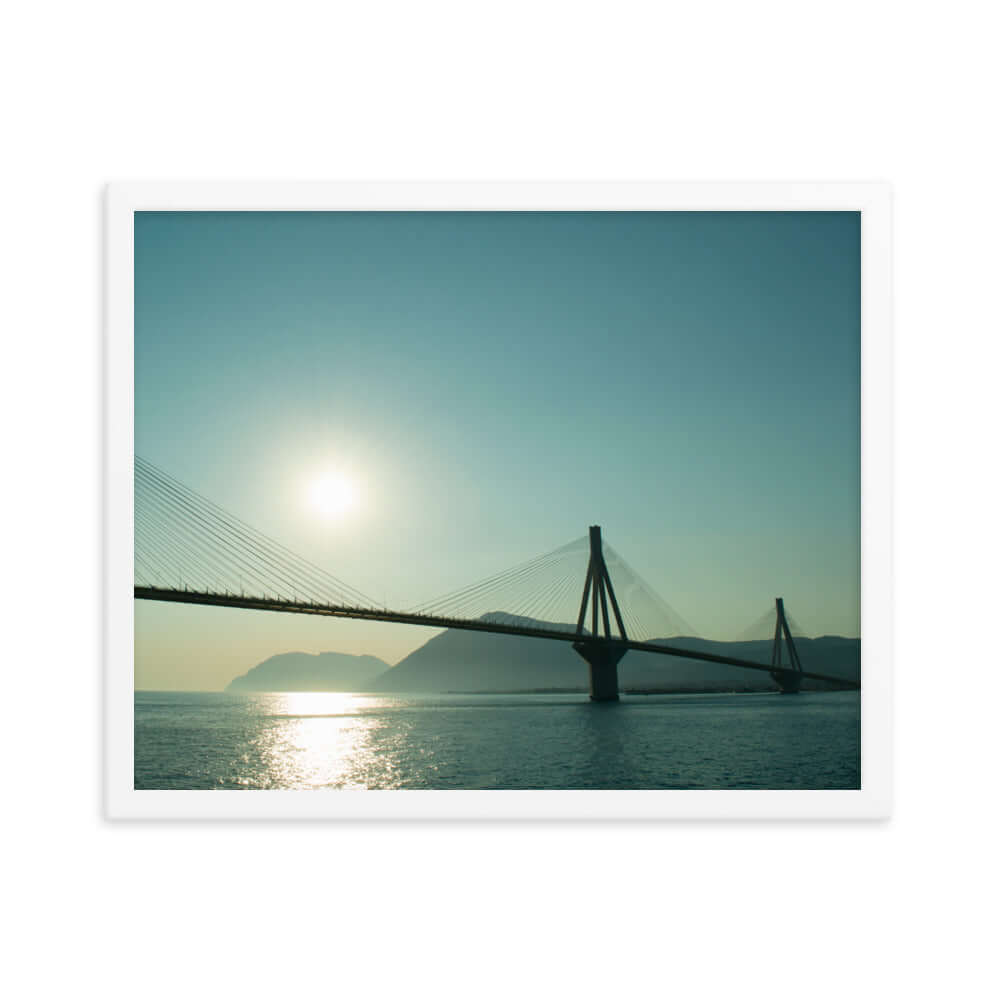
(601, 652)
(789, 683)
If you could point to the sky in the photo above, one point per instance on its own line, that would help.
(490, 384)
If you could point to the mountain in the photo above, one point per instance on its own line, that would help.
(832, 655)
(457, 660)
(311, 672)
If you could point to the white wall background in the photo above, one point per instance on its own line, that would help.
(782, 91)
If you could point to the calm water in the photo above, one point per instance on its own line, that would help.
(308, 740)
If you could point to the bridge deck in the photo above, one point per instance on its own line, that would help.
(469, 625)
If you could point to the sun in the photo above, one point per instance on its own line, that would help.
(333, 494)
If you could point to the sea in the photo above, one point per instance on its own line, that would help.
(328, 741)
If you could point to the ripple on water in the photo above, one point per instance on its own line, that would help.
(329, 740)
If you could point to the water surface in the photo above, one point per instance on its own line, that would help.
(330, 741)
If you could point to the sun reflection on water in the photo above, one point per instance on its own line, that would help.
(321, 740)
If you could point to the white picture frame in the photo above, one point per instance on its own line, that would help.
(872, 801)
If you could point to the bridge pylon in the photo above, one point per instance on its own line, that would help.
(602, 652)
(788, 679)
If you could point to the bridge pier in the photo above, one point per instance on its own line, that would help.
(603, 657)
(787, 681)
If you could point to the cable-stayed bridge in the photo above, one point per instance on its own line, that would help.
(188, 550)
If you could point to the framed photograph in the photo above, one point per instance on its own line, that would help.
(498, 501)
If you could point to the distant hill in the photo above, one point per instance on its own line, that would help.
(457, 660)
(311, 672)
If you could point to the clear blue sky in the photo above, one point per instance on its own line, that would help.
(493, 383)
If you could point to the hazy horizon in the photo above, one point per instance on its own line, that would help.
(415, 401)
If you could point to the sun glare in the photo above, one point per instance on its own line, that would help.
(333, 494)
